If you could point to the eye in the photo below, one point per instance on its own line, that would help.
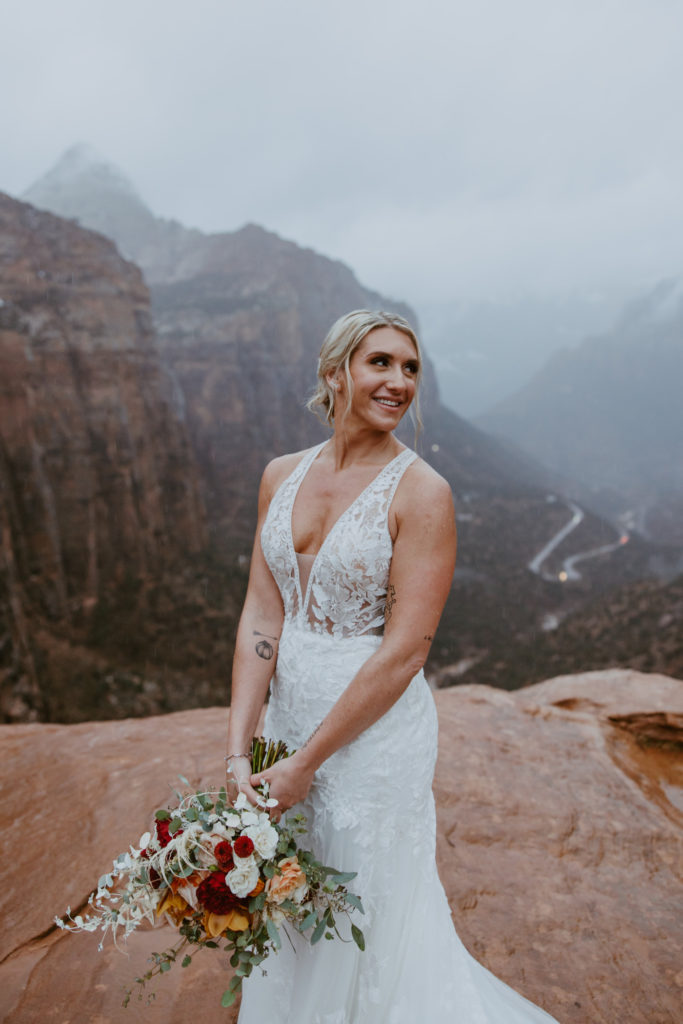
(412, 368)
(379, 361)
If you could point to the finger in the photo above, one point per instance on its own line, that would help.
(254, 798)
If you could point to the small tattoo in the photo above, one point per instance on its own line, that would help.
(264, 649)
(427, 637)
(312, 735)
(391, 601)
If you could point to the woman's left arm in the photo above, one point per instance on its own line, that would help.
(420, 579)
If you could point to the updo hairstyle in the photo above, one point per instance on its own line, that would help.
(341, 342)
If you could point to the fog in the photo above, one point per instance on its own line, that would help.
(452, 154)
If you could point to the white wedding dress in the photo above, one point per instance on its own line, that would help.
(370, 808)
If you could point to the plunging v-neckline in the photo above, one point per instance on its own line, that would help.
(295, 554)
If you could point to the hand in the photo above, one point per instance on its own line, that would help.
(239, 780)
(289, 781)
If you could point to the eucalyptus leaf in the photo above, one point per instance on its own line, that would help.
(354, 900)
(358, 937)
(341, 877)
(273, 933)
(318, 932)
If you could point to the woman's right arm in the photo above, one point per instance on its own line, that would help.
(256, 646)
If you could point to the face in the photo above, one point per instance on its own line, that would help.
(384, 370)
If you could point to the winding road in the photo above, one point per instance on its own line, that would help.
(568, 570)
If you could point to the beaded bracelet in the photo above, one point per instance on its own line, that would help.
(229, 758)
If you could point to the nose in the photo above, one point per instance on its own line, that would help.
(394, 380)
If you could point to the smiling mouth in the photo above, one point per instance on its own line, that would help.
(389, 403)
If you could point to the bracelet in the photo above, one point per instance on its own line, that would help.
(230, 756)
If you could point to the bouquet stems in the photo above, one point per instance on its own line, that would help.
(265, 753)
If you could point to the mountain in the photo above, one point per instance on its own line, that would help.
(638, 625)
(239, 318)
(207, 381)
(485, 350)
(85, 187)
(100, 507)
(609, 414)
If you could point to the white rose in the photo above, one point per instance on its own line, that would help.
(243, 877)
(264, 837)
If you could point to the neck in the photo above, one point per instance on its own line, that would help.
(357, 447)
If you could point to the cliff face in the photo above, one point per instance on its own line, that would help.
(238, 318)
(97, 482)
(560, 820)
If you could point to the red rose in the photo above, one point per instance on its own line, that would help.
(214, 895)
(243, 846)
(154, 878)
(163, 835)
(223, 854)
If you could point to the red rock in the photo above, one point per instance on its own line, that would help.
(559, 844)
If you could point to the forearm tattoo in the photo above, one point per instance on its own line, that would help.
(391, 601)
(312, 735)
(263, 647)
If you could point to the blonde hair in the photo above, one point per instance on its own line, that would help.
(342, 340)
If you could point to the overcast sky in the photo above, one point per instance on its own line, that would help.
(444, 149)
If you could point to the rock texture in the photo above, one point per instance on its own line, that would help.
(119, 441)
(98, 490)
(559, 844)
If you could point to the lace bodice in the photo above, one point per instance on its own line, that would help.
(346, 591)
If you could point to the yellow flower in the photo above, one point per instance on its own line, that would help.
(174, 905)
(215, 924)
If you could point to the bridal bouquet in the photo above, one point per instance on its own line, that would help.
(224, 875)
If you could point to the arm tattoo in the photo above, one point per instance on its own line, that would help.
(427, 637)
(312, 735)
(263, 648)
(391, 601)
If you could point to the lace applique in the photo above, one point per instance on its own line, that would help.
(347, 584)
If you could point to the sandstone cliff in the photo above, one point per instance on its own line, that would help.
(98, 490)
(559, 843)
(138, 619)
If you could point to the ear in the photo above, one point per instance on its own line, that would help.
(332, 380)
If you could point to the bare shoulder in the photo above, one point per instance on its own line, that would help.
(279, 469)
(422, 490)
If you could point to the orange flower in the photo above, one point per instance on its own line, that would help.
(175, 906)
(289, 884)
(215, 924)
(193, 879)
(257, 888)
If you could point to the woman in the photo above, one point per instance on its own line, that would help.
(352, 564)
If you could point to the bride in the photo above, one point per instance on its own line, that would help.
(352, 564)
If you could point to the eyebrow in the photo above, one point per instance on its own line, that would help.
(390, 355)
